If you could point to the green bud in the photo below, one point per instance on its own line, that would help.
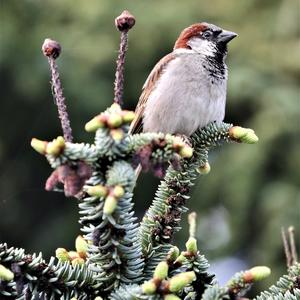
(191, 245)
(39, 146)
(171, 297)
(97, 190)
(186, 152)
(118, 191)
(6, 274)
(257, 274)
(128, 116)
(96, 123)
(204, 169)
(149, 287)
(77, 261)
(115, 107)
(81, 246)
(178, 282)
(161, 271)
(56, 147)
(117, 134)
(173, 253)
(114, 120)
(62, 254)
(110, 205)
(245, 135)
(180, 259)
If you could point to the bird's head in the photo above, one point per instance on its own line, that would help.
(205, 38)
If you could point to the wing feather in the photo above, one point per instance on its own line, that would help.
(137, 124)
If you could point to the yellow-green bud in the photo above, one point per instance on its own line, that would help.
(110, 205)
(173, 253)
(257, 274)
(128, 116)
(81, 246)
(178, 282)
(191, 245)
(56, 146)
(118, 191)
(98, 298)
(161, 271)
(204, 169)
(114, 120)
(77, 261)
(186, 152)
(94, 124)
(180, 259)
(6, 274)
(149, 287)
(73, 255)
(62, 254)
(171, 297)
(97, 190)
(117, 134)
(115, 107)
(245, 135)
(39, 146)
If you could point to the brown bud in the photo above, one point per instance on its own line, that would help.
(125, 21)
(51, 48)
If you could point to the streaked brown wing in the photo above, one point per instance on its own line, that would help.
(137, 124)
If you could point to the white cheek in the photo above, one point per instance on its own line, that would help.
(204, 47)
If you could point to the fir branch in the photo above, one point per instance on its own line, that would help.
(109, 224)
(287, 287)
(163, 217)
(35, 278)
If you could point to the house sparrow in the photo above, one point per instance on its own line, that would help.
(186, 90)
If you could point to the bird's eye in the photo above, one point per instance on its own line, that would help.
(207, 34)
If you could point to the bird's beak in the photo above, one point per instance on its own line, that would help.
(226, 36)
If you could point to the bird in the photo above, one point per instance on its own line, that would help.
(186, 89)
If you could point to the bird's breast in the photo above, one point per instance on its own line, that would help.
(184, 99)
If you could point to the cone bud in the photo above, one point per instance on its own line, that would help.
(149, 287)
(180, 259)
(115, 107)
(178, 282)
(81, 246)
(110, 205)
(77, 261)
(117, 134)
(118, 191)
(173, 254)
(128, 116)
(73, 255)
(39, 146)
(191, 245)
(245, 135)
(204, 169)
(56, 146)
(114, 120)
(96, 123)
(186, 152)
(97, 190)
(178, 143)
(62, 254)
(257, 274)
(6, 274)
(161, 271)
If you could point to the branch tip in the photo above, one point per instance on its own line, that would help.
(51, 48)
(125, 21)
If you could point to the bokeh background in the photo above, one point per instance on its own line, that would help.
(251, 191)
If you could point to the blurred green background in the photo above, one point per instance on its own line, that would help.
(251, 191)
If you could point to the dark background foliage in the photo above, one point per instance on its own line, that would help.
(251, 191)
